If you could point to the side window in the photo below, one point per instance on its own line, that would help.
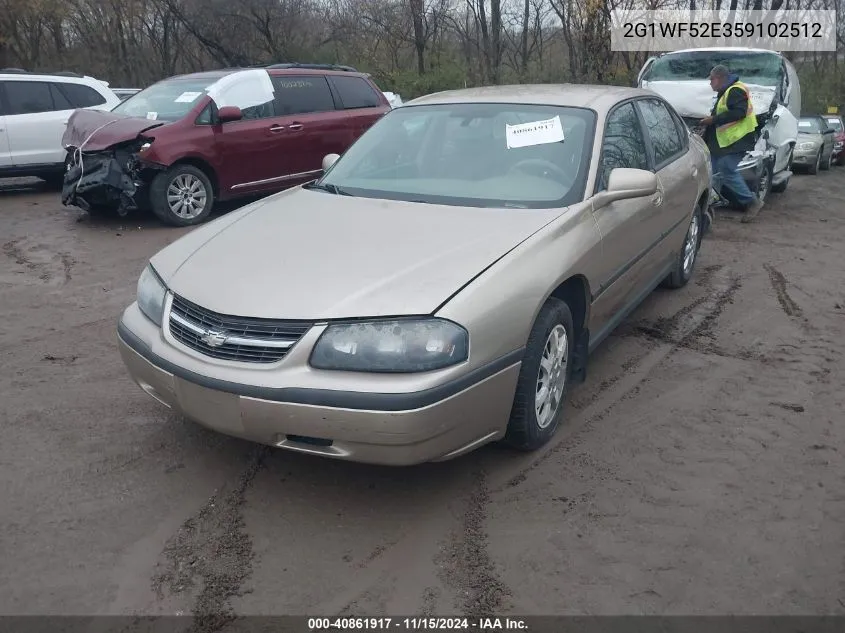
(355, 92)
(206, 117)
(624, 144)
(82, 96)
(60, 101)
(28, 97)
(302, 94)
(662, 131)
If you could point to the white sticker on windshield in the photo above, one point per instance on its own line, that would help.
(152, 115)
(187, 97)
(534, 133)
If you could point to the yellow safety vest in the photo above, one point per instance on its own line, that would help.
(730, 133)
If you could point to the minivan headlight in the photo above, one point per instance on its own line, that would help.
(151, 295)
(391, 346)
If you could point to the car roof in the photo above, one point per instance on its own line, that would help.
(66, 78)
(214, 75)
(573, 95)
(724, 49)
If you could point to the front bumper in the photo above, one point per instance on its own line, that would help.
(805, 157)
(436, 424)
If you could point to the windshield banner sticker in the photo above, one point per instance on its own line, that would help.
(152, 115)
(187, 97)
(534, 133)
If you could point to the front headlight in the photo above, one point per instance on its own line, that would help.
(806, 146)
(391, 346)
(151, 294)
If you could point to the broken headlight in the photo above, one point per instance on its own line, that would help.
(151, 295)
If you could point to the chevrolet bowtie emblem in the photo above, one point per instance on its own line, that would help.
(214, 338)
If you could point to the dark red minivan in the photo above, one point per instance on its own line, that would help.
(187, 142)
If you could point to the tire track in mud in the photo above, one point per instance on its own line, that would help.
(211, 555)
(779, 283)
(27, 259)
(466, 566)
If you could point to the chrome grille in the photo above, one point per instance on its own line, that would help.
(241, 339)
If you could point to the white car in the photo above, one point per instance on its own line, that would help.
(682, 78)
(34, 110)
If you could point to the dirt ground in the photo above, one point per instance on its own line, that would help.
(700, 470)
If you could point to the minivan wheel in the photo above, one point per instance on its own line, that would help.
(182, 196)
(685, 264)
(543, 378)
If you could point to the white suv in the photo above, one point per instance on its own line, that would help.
(34, 110)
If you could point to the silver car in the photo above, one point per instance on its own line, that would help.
(814, 150)
(438, 288)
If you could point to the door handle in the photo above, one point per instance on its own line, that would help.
(295, 126)
(277, 128)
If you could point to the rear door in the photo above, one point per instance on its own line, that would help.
(312, 125)
(5, 154)
(677, 174)
(35, 121)
(360, 101)
(628, 227)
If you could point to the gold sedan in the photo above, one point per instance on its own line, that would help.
(438, 288)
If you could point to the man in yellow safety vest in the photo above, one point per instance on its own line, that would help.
(729, 134)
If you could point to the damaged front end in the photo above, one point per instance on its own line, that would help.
(105, 169)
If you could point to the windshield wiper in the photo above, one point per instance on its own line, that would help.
(330, 188)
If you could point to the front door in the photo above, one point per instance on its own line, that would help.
(626, 226)
(5, 154)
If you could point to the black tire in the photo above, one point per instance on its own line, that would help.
(525, 432)
(827, 163)
(680, 276)
(814, 169)
(161, 184)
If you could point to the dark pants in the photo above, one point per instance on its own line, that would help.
(726, 174)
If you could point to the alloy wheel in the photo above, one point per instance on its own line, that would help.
(551, 379)
(186, 196)
(691, 244)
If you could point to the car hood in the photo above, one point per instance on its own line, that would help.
(100, 130)
(695, 98)
(312, 255)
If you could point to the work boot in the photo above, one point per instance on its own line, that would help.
(752, 210)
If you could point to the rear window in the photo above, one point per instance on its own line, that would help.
(82, 96)
(355, 92)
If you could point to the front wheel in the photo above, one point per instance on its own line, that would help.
(764, 185)
(827, 163)
(182, 196)
(543, 378)
(816, 165)
(685, 263)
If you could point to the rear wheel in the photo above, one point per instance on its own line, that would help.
(182, 196)
(543, 378)
(685, 264)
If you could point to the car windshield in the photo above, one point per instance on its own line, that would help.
(168, 100)
(811, 126)
(482, 155)
(763, 69)
(835, 123)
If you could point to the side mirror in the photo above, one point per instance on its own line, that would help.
(329, 160)
(229, 113)
(625, 183)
